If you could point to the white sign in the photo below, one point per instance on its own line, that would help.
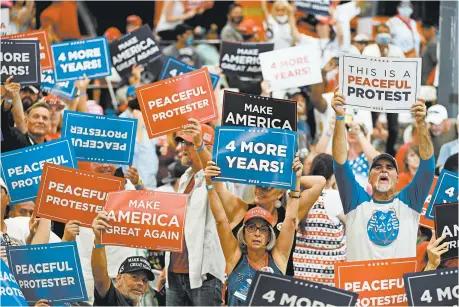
(379, 84)
(4, 21)
(291, 67)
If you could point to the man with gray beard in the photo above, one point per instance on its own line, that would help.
(382, 225)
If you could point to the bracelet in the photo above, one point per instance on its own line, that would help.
(201, 148)
(98, 246)
(340, 117)
(83, 94)
(209, 187)
(9, 101)
(291, 196)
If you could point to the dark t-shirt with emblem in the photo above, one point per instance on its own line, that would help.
(112, 298)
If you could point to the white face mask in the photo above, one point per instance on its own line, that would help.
(405, 11)
(282, 19)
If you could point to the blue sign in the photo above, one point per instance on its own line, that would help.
(446, 191)
(174, 67)
(48, 271)
(21, 169)
(98, 138)
(255, 156)
(66, 89)
(10, 293)
(73, 59)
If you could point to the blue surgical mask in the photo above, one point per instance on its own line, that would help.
(383, 39)
(190, 40)
(405, 11)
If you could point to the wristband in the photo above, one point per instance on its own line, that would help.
(360, 136)
(98, 246)
(8, 101)
(83, 93)
(201, 148)
(209, 187)
(340, 117)
(291, 196)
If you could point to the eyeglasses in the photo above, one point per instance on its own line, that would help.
(252, 228)
(5, 240)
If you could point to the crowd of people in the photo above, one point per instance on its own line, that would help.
(354, 168)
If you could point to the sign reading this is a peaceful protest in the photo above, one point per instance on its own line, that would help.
(46, 58)
(100, 138)
(248, 110)
(135, 48)
(242, 59)
(72, 194)
(291, 67)
(146, 219)
(168, 104)
(74, 59)
(255, 156)
(20, 59)
(22, 168)
(378, 282)
(446, 224)
(432, 288)
(48, 271)
(65, 89)
(446, 191)
(174, 67)
(313, 7)
(388, 85)
(10, 292)
(275, 290)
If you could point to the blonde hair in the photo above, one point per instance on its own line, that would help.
(243, 244)
(278, 3)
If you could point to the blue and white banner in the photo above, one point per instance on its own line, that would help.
(48, 271)
(10, 293)
(66, 89)
(174, 67)
(21, 169)
(74, 59)
(255, 156)
(446, 191)
(96, 138)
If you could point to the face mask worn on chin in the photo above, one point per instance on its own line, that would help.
(383, 39)
(282, 19)
(237, 20)
(405, 11)
(189, 41)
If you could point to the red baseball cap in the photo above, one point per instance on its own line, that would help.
(134, 20)
(260, 213)
(112, 34)
(248, 26)
(208, 135)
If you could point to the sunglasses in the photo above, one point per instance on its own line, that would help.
(252, 228)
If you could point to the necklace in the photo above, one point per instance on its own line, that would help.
(256, 265)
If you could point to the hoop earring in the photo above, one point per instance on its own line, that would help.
(277, 204)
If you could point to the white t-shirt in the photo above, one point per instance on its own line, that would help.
(327, 49)
(166, 188)
(281, 34)
(404, 37)
(373, 50)
(18, 230)
(177, 10)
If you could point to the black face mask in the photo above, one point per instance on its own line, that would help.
(247, 36)
(134, 104)
(237, 20)
(26, 102)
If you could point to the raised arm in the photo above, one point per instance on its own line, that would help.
(24, 13)
(284, 242)
(426, 149)
(169, 11)
(339, 147)
(99, 257)
(229, 244)
(11, 90)
(264, 7)
(314, 186)
(367, 148)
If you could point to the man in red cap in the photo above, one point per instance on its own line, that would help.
(196, 276)
(133, 22)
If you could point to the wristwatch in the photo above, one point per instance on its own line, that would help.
(139, 184)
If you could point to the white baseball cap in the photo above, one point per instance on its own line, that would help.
(3, 185)
(436, 114)
(361, 38)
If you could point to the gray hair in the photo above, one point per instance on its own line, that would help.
(243, 244)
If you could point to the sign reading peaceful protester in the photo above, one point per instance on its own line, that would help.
(10, 293)
(146, 219)
(446, 224)
(74, 59)
(446, 191)
(432, 288)
(378, 282)
(137, 47)
(291, 67)
(379, 84)
(50, 271)
(46, 59)
(242, 58)
(97, 138)
(22, 168)
(20, 59)
(313, 7)
(168, 104)
(255, 156)
(72, 194)
(174, 67)
(65, 89)
(276, 290)
(248, 110)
